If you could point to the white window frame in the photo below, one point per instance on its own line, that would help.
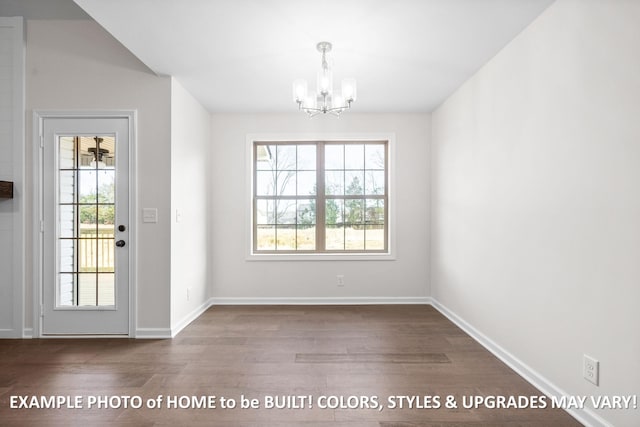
(333, 137)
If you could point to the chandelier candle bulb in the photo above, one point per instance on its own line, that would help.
(299, 90)
(325, 82)
(349, 89)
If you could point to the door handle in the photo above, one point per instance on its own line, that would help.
(120, 243)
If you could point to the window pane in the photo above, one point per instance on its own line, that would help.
(333, 156)
(286, 157)
(307, 157)
(374, 182)
(286, 182)
(354, 180)
(306, 237)
(334, 237)
(265, 212)
(353, 156)
(374, 156)
(306, 212)
(374, 237)
(265, 183)
(286, 238)
(354, 237)
(265, 157)
(334, 183)
(353, 211)
(334, 211)
(306, 183)
(266, 238)
(285, 212)
(375, 211)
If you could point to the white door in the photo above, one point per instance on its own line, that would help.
(86, 226)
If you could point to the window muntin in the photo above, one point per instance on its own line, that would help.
(320, 197)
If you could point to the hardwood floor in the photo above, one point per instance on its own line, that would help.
(297, 354)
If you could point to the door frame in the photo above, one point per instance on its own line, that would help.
(38, 211)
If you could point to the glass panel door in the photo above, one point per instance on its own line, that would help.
(86, 226)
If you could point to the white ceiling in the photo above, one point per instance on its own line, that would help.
(243, 55)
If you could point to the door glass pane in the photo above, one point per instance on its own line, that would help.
(66, 186)
(67, 152)
(66, 290)
(106, 255)
(106, 289)
(88, 186)
(88, 251)
(66, 255)
(86, 221)
(87, 289)
(66, 220)
(106, 186)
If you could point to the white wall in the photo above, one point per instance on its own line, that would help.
(12, 211)
(235, 277)
(76, 65)
(190, 193)
(536, 198)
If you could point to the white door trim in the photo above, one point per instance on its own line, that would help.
(38, 204)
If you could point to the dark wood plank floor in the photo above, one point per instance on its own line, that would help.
(280, 351)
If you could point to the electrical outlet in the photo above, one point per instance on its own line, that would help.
(340, 279)
(188, 293)
(590, 369)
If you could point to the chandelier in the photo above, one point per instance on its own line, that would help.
(324, 100)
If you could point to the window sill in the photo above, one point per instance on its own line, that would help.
(322, 257)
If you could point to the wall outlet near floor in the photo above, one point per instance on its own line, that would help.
(340, 279)
(188, 294)
(590, 369)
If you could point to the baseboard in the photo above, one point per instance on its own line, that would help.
(27, 333)
(184, 322)
(153, 333)
(585, 416)
(8, 334)
(319, 300)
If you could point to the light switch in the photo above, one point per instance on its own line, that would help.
(178, 215)
(150, 215)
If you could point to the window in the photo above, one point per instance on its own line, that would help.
(320, 197)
